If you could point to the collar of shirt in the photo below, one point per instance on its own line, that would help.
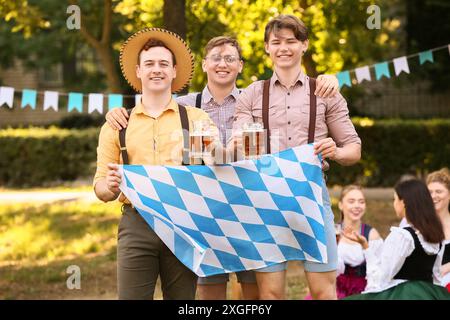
(139, 109)
(302, 78)
(207, 96)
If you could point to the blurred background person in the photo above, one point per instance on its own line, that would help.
(351, 271)
(438, 183)
(409, 258)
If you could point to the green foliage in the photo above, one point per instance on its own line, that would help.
(45, 41)
(332, 46)
(35, 156)
(339, 38)
(392, 148)
(81, 121)
(35, 233)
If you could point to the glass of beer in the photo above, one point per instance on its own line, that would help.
(200, 141)
(253, 140)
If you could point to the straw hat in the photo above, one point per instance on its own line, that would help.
(130, 50)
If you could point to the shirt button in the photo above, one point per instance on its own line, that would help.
(289, 138)
(289, 93)
(288, 107)
(289, 122)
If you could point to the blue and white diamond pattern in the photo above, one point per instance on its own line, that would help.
(234, 217)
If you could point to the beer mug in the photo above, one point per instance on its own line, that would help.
(199, 141)
(253, 140)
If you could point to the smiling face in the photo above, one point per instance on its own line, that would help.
(285, 49)
(222, 73)
(156, 70)
(440, 195)
(353, 205)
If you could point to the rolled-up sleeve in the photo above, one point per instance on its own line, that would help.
(339, 124)
(108, 151)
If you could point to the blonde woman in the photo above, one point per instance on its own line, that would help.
(438, 183)
(351, 271)
(410, 256)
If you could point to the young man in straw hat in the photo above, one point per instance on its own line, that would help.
(157, 63)
(293, 116)
(222, 64)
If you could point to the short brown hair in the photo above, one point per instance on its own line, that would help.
(152, 43)
(220, 41)
(286, 21)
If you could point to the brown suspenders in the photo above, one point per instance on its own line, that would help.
(265, 112)
(312, 110)
(123, 146)
(184, 125)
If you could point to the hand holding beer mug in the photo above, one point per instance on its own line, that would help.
(253, 140)
(200, 141)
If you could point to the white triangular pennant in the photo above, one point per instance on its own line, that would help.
(51, 100)
(95, 102)
(6, 96)
(137, 99)
(362, 74)
(401, 64)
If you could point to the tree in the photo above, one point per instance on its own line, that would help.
(435, 15)
(174, 12)
(45, 40)
(339, 38)
(103, 45)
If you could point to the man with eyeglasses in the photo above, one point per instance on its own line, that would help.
(222, 64)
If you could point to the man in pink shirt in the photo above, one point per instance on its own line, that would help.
(288, 121)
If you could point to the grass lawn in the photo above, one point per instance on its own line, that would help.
(39, 242)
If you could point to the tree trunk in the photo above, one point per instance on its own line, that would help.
(307, 60)
(107, 60)
(175, 20)
(175, 16)
(103, 47)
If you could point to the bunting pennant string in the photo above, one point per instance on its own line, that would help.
(382, 68)
(96, 100)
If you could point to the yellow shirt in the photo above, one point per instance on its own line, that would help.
(149, 141)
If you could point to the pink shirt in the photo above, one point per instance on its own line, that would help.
(289, 114)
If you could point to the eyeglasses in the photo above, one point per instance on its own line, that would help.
(216, 58)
